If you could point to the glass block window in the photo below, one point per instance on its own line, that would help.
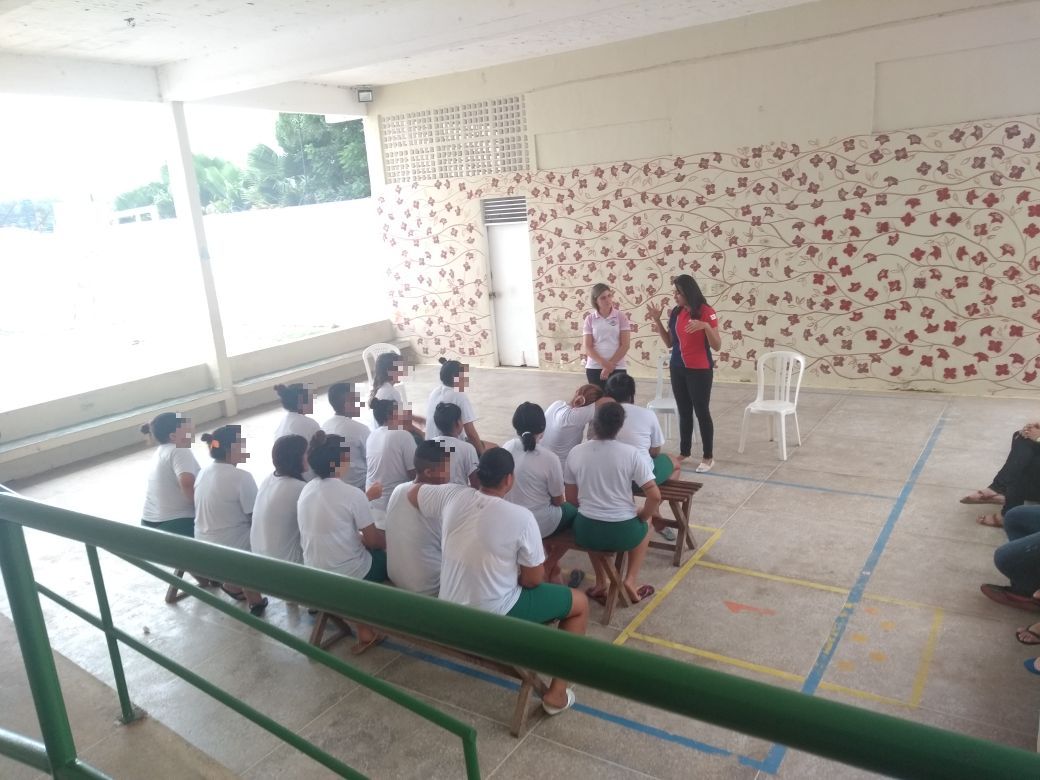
(473, 139)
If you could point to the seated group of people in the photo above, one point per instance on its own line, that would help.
(436, 511)
(1017, 482)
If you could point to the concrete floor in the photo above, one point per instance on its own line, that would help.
(869, 502)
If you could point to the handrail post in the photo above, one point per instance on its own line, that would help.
(36, 647)
(129, 712)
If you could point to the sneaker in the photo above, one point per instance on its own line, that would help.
(667, 533)
(703, 467)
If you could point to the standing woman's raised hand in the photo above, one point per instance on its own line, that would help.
(654, 310)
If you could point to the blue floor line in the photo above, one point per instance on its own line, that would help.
(815, 676)
(797, 485)
(609, 717)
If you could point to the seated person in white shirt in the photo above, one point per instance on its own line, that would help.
(538, 485)
(388, 370)
(451, 390)
(391, 455)
(565, 422)
(275, 531)
(448, 417)
(492, 557)
(346, 403)
(413, 538)
(337, 531)
(599, 476)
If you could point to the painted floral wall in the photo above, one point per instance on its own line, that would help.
(906, 260)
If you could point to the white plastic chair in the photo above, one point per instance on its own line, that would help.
(368, 357)
(663, 402)
(779, 369)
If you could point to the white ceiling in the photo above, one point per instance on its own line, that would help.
(209, 47)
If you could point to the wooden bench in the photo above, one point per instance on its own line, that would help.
(678, 494)
(529, 681)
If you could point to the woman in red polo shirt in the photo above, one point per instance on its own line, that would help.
(692, 333)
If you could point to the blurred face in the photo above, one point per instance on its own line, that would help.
(680, 299)
(462, 381)
(396, 371)
(184, 435)
(605, 301)
(238, 453)
(307, 406)
(344, 464)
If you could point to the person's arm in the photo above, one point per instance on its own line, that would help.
(571, 493)
(187, 483)
(652, 503)
(532, 576)
(473, 437)
(374, 491)
(661, 329)
(373, 538)
(655, 451)
(474, 481)
(556, 500)
(622, 350)
(714, 337)
(590, 350)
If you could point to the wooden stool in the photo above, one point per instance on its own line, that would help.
(321, 624)
(615, 571)
(173, 593)
(678, 493)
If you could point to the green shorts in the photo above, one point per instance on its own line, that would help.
(182, 526)
(377, 571)
(663, 468)
(608, 536)
(566, 520)
(542, 604)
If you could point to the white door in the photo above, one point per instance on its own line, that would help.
(512, 294)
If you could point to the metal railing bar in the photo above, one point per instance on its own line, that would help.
(24, 750)
(204, 685)
(128, 713)
(830, 729)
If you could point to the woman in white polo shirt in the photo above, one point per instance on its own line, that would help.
(298, 402)
(391, 457)
(345, 401)
(386, 386)
(452, 391)
(224, 499)
(337, 532)
(607, 334)
(566, 421)
(492, 557)
(598, 479)
(275, 531)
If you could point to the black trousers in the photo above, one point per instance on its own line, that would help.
(692, 390)
(1019, 478)
(593, 375)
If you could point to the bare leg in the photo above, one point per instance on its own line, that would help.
(576, 622)
(599, 566)
(553, 554)
(635, 563)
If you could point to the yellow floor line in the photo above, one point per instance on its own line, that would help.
(926, 659)
(827, 686)
(767, 670)
(775, 577)
(900, 602)
(710, 528)
(655, 602)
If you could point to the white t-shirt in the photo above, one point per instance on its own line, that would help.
(484, 542)
(165, 500)
(606, 335)
(224, 498)
(565, 427)
(388, 392)
(275, 532)
(391, 455)
(356, 435)
(604, 472)
(300, 425)
(413, 544)
(462, 456)
(642, 430)
(538, 476)
(331, 514)
(442, 394)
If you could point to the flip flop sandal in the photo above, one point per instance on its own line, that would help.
(600, 597)
(1027, 632)
(1002, 595)
(360, 648)
(1030, 664)
(577, 575)
(978, 498)
(551, 710)
(645, 592)
(236, 595)
(258, 608)
(990, 521)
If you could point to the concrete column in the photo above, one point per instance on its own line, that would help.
(374, 151)
(184, 187)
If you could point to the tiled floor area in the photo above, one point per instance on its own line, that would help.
(865, 510)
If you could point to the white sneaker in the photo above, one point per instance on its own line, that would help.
(703, 467)
(551, 710)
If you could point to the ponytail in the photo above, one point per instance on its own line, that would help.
(528, 422)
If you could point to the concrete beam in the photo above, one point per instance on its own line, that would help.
(59, 76)
(297, 97)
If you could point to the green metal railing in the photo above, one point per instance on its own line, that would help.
(837, 731)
